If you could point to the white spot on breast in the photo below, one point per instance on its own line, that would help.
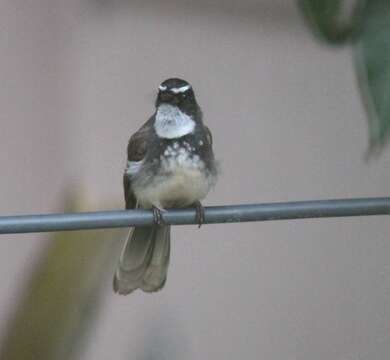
(180, 158)
(200, 143)
(180, 182)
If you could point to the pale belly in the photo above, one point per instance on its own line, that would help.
(180, 188)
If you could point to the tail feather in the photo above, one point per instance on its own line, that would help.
(156, 273)
(144, 260)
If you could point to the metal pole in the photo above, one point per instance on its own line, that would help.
(213, 215)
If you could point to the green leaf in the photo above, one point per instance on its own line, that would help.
(61, 296)
(373, 68)
(333, 21)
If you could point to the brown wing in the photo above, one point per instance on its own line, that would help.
(136, 150)
(209, 137)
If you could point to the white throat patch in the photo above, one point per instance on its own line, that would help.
(172, 123)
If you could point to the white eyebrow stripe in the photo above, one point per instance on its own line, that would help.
(162, 87)
(181, 89)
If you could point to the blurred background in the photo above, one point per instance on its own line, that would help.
(79, 77)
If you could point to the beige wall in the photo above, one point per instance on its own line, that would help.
(79, 78)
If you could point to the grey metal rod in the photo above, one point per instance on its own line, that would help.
(213, 215)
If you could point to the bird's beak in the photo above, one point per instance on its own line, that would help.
(168, 97)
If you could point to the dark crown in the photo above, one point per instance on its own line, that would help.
(173, 83)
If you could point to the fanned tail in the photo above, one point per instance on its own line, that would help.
(144, 260)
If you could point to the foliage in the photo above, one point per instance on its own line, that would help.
(61, 298)
(367, 28)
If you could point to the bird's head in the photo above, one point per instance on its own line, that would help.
(177, 92)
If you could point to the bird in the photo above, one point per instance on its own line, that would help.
(170, 164)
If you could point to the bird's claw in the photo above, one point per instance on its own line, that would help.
(199, 216)
(157, 217)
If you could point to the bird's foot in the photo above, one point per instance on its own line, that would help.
(158, 220)
(199, 216)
